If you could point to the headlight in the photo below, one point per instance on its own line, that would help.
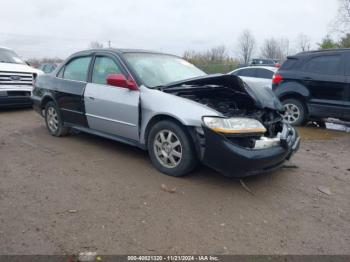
(237, 125)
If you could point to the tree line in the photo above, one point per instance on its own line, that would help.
(218, 59)
(222, 59)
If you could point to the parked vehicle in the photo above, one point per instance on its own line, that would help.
(165, 105)
(315, 85)
(48, 68)
(265, 62)
(16, 79)
(256, 75)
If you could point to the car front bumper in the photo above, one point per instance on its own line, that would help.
(235, 161)
(15, 96)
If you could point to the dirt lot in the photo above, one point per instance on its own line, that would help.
(78, 193)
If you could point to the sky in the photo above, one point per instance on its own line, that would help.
(58, 28)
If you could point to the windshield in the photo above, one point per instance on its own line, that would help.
(159, 69)
(8, 56)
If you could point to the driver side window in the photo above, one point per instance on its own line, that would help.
(103, 67)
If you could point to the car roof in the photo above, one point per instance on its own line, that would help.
(270, 68)
(322, 51)
(3, 47)
(118, 51)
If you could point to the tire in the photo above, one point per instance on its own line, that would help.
(174, 156)
(54, 121)
(295, 112)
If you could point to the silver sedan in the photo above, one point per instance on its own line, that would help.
(163, 104)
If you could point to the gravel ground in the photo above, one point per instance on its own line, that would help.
(84, 193)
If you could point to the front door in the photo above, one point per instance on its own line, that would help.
(109, 109)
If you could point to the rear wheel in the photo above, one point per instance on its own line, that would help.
(170, 149)
(295, 112)
(54, 121)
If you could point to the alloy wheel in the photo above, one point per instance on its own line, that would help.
(292, 113)
(52, 119)
(168, 149)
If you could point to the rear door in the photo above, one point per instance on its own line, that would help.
(109, 109)
(68, 89)
(324, 76)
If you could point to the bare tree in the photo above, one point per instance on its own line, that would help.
(342, 21)
(303, 43)
(95, 45)
(275, 48)
(218, 54)
(270, 48)
(284, 49)
(246, 45)
(214, 60)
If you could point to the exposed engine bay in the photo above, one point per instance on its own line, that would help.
(236, 103)
(231, 103)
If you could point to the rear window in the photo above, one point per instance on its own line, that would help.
(246, 72)
(289, 64)
(328, 65)
(264, 73)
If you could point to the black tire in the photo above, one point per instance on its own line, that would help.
(302, 118)
(188, 160)
(57, 128)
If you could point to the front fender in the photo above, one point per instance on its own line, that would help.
(157, 103)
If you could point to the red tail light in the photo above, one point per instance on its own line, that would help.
(277, 78)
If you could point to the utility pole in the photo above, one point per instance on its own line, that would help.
(109, 43)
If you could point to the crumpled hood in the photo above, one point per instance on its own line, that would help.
(263, 96)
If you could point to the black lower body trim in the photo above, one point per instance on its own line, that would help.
(15, 101)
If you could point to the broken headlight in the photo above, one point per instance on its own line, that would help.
(236, 125)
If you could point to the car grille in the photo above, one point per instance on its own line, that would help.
(16, 78)
(18, 93)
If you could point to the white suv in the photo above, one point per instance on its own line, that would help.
(16, 79)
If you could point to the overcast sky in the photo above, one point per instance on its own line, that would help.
(46, 28)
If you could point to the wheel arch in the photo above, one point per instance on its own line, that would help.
(292, 89)
(157, 118)
(46, 98)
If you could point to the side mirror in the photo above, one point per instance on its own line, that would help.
(120, 80)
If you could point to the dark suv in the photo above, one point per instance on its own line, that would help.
(315, 85)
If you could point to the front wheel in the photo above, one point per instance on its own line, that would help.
(295, 112)
(170, 149)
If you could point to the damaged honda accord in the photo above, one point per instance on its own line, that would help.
(163, 104)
